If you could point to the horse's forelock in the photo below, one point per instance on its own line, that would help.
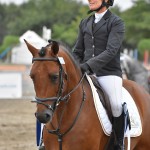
(43, 50)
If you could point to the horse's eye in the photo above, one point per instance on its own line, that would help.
(54, 78)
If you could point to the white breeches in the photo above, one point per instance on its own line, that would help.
(112, 85)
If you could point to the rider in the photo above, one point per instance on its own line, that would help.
(98, 51)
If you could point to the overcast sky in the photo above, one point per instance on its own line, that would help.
(121, 3)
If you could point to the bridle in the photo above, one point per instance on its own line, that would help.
(56, 100)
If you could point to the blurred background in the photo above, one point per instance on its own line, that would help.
(40, 20)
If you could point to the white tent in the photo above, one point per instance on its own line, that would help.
(20, 53)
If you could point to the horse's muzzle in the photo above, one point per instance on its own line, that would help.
(44, 117)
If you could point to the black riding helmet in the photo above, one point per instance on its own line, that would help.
(107, 4)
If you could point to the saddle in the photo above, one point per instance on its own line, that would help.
(103, 97)
(104, 110)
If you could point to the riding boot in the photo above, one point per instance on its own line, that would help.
(120, 125)
(118, 128)
(110, 143)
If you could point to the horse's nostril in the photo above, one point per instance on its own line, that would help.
(44, 116)
(47, 116)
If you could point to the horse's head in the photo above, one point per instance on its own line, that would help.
(49, 76)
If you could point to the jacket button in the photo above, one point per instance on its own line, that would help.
(93, 46)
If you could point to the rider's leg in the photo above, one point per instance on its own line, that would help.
(113, 87)
(120, 122)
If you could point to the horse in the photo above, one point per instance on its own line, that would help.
(65, 103)
(135, 71)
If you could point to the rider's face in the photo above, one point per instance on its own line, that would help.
(94, 4)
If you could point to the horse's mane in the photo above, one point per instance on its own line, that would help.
(68, 50)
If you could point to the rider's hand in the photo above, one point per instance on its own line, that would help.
(85, 68)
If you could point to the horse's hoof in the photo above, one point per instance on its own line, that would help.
(42, 148)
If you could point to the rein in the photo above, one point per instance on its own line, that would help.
(58, 99)
(57, 131)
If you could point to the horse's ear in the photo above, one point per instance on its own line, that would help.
(54, 47)
(31, 48)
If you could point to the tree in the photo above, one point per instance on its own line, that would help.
(35, 14)
(9, 41)
(63, 17)
(137, 22)
(68, 33)
(2, 23)
(144, 45)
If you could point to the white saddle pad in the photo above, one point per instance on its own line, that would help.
(136, 127)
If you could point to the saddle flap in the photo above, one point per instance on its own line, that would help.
(102, 96)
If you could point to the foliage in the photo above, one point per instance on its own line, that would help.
(9, 41)
(2, 22)
(144, 45)
(137, 22)
(63, 17)
(35, 14)
(68, 33)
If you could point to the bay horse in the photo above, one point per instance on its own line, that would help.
(65, 103)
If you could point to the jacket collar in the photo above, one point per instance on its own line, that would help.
(99, 24)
